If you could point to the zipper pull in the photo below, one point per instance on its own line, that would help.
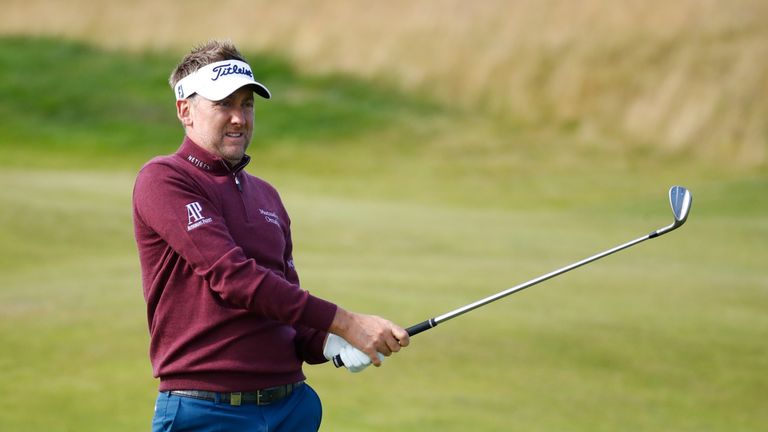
(237, 183)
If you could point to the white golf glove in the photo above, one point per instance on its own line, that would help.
(354, 359)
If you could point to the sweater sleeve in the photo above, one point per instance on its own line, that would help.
(181, 213)
(309, 344)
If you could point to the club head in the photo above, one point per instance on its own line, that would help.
(680, 200)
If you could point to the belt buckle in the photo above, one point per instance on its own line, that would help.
(236, 398)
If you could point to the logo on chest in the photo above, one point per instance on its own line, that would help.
(270, 217)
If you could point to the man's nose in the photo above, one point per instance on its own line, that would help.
(237, 117)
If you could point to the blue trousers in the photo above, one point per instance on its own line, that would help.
(301, 411)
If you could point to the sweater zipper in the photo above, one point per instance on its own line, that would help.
(242, 198)
(237, 183)
(234, 176)
(239, 189)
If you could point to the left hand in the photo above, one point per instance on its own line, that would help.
(370, 334)
(354, 359)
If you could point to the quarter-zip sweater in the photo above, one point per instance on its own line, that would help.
(224, 306)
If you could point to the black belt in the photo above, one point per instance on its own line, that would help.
(259, 397)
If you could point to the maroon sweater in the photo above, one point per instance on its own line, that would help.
(224, 306)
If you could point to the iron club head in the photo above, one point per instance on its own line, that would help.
(680, 200)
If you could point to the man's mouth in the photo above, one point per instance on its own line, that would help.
(234, 134)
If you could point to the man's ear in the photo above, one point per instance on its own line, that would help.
(183, 112)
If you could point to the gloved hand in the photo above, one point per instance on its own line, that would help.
(354, 359)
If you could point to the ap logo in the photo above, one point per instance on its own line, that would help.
(195, 216)
(194, 212)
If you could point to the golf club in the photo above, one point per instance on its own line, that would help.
(680, 200)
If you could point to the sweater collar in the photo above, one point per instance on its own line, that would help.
(205, 161)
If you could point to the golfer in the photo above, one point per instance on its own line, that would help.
(230, 328)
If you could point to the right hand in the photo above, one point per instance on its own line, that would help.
(373, 335)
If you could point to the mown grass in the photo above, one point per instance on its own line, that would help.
(403, 208)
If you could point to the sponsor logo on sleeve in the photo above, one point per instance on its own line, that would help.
(195, 216)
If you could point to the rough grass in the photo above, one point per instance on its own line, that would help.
(407, 212)
(685, 76)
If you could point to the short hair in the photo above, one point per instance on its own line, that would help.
(202, 55)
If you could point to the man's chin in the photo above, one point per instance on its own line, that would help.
(234, 152)
(234, 159)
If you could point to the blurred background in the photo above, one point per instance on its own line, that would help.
(430, 153)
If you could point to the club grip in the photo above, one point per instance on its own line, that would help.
(420, 327)
(412, 331)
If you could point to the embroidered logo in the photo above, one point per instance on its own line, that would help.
(270, 217)
(198, 163)
(195, 216)
(229, 69)
(180, 91)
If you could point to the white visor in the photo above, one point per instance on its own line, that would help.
(219, 80)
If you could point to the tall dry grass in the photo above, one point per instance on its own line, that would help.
(686, 76)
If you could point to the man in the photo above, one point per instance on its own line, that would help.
(229, 325)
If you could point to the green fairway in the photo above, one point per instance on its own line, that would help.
(404, 208)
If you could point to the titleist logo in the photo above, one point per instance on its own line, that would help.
(229, 69)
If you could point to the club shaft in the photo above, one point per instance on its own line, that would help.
(482, 302)
(432, 322)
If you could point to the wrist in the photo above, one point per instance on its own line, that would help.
(342, 322)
